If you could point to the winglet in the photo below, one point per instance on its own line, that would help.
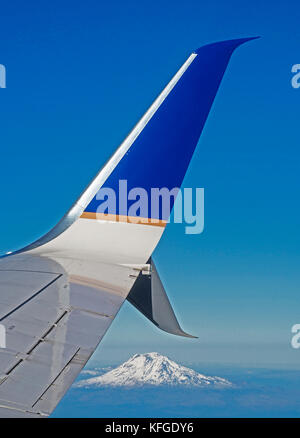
(170, 130)
(148, 295)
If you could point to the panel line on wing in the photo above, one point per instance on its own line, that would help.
(41, 339)
(62, 370)
(31, 298)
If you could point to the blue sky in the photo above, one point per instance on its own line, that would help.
(80, 75)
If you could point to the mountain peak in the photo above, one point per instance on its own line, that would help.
(152, 369)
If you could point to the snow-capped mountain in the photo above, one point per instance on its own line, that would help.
(152, 369)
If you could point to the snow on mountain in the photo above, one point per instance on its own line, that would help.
(152, 369)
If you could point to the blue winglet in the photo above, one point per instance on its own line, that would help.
(160, 155)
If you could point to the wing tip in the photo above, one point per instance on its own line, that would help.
(232, 43)
(179, 332)
(187, 335)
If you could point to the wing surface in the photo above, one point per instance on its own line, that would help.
(53, 323)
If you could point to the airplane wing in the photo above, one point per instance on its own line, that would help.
(53, 323)
(59, 294)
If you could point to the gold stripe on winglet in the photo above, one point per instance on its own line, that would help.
(124, 219)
